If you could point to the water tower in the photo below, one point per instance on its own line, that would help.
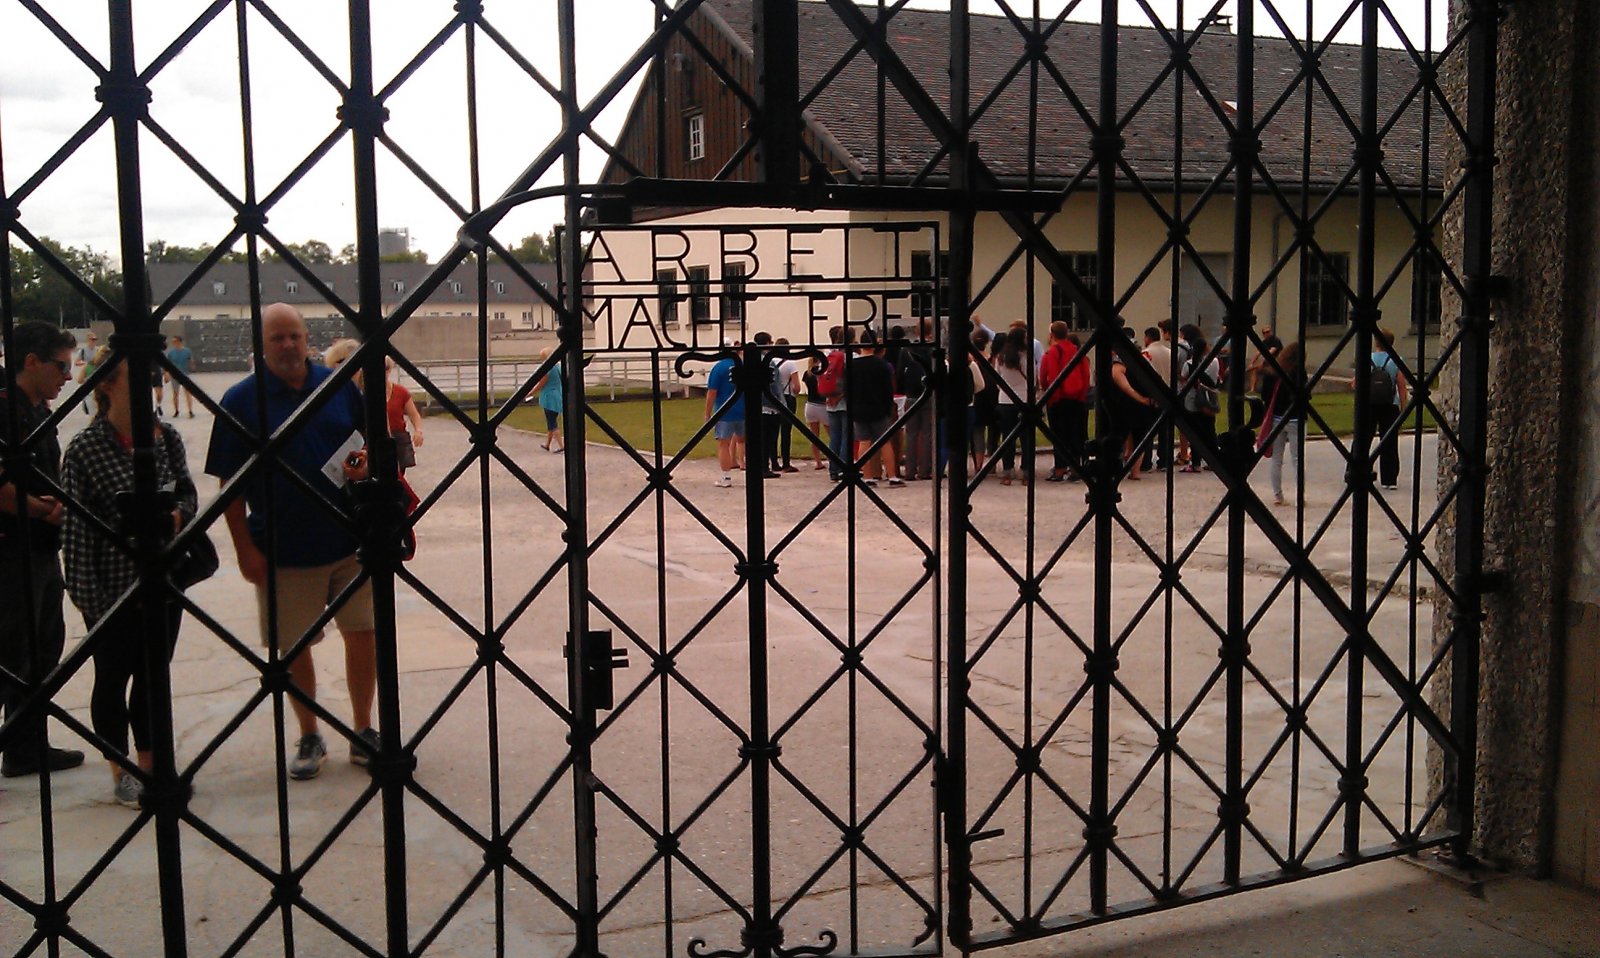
(393, 241)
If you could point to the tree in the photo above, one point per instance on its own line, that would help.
(313, 252)
(536, 248)
(409, 256)
(39, 291)
(160, 251)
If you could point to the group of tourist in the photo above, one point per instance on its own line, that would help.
(871, 401)
(76, 544)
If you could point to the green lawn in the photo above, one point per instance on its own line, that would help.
(635, 421)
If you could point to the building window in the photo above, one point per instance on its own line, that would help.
(500, 315)
(1326, 279)
(455, 287)
(527, 315)
(922, 281)
(733, 292)
(699, 294)
(1425, 315)
(1085, 266)
(399, 286)
(219, 289)
(499, 287)
(667, 297)
(291, 287)
(697, 136)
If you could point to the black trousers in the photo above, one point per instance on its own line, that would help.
(119, 662)
(786, 431)
(33, 632)
(1384, 417)
(773, 434)
(1205, 428)
(1069, 426)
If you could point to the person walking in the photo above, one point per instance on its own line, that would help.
(83, 362)
(1386, 395)
(1284, 408)
(312, 556)
(1065, 379)
(551, 391)
(181, 358)
(97, 470)
(33, 629)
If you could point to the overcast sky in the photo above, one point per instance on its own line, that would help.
(47, 94)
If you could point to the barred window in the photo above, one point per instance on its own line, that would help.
(733, 292)
(1063, 309)
(1326, 278)
(923, 281)
(667, 295)
(699, 294)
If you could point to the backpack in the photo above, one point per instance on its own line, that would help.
(914, 373)
(831, 382)
(1380, 389)
(1202, 395)
(777, 391)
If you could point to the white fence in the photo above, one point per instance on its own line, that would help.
(602, 375)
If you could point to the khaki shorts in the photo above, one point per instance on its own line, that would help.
(304, 593)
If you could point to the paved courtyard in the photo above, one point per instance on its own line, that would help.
(856, 742)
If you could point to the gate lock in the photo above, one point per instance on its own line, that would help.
(600, 659)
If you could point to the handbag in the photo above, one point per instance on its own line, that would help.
(199, 562)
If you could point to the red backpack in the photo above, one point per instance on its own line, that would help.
(831, 382)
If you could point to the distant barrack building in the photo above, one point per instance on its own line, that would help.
(212, 311)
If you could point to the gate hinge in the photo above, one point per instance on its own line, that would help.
(600, 659)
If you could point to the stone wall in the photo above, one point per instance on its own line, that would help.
(1543, 243)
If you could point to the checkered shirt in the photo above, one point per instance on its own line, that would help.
(95, 469)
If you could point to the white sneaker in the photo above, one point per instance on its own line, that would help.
(725, 482)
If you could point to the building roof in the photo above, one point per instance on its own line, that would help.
(847, 108)
(276, 278)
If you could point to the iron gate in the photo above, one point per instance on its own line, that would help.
(820, 744)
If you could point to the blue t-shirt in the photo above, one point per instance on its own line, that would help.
(720, 381)
(182, 357)
(304, 533)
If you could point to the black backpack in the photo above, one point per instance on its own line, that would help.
(1380, 388)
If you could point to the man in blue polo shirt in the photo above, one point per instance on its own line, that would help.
(312, 556)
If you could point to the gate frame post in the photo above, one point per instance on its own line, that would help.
(952, 771)
(138, 338)
(1477, 255)
(364, 113)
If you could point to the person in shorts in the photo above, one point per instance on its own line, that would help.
(729, 429)
(312, 557)
(182, 359)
